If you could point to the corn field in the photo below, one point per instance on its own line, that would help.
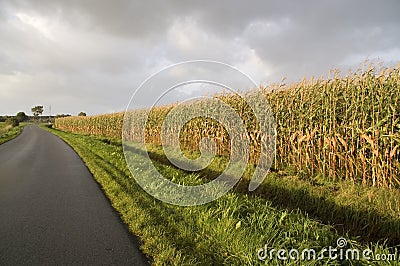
(345, 128)
(108, 125)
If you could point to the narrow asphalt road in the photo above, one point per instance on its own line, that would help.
(52, 212)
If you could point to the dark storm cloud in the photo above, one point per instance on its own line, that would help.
(91, 55)
(330, 31)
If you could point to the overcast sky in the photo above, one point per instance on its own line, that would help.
(90, 56)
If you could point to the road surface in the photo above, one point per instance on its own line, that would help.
(53, 212)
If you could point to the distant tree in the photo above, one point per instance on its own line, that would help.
(22, 117)
(82, 114)
(62, 115)
(37, 110)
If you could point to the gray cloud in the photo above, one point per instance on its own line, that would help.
(91, 55)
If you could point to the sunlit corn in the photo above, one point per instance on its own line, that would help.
(345, 128)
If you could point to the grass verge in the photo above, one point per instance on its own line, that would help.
(8, 133)
(372, 214)
(228, 231)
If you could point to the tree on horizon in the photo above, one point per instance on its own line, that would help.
(37, 110)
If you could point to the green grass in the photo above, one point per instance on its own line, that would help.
(8, 133)
(370, 213)
(228, 231)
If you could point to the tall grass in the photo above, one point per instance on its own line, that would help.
(8, 132)
(345, 128)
